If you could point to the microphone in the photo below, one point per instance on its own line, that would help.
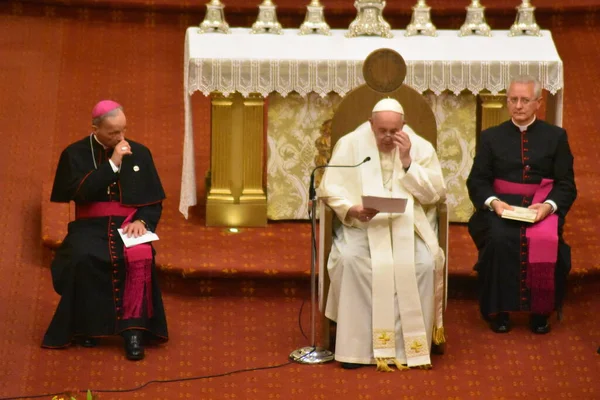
(312, 192)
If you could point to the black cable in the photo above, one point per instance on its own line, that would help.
(193, 378)
(299, 321)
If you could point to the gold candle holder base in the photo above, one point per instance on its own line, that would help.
(214, 20)
(525, 22)
(314, 22)
(369, 20)
(420, 23)
(267, 19)
(475, 21)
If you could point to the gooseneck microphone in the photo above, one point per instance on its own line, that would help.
(312, 192)
(314, 354)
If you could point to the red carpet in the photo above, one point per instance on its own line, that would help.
(55, 62)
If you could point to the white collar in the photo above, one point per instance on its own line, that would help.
(523, 128)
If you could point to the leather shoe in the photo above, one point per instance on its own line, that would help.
(134, 349)
(346, 365)
(500, 323)
(88, 341)
(539, 324)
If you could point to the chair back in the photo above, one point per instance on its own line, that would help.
(355, 108)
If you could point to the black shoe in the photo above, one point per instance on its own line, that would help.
(134, 349)
(500, 323)
(88, 341)
(539, 324)
(351, 365)
(598, 350)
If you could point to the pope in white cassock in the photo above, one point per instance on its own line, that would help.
(386, 270)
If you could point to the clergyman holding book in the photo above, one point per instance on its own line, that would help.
(522, 165)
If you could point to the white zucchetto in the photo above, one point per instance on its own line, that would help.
(388, 105)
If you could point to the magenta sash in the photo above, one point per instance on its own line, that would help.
(138, 259)
(542, 238)
(102, 209)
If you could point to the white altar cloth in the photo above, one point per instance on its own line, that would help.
(265, 63)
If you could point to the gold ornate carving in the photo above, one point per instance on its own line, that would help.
(214, 20)
(369, 20)
(475, 21)
(267, 19)
(420, 23)
(315, 20)
(525, 21)
(323, 145)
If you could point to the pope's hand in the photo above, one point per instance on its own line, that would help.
(362, 214)
(402, 142)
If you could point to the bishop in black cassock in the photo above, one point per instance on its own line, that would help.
(521, 153)
(102, 294)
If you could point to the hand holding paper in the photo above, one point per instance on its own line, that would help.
(385, 204)
(520, 214)
(132, 241)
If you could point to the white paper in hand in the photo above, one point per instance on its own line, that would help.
(385, 204)
(132, 241)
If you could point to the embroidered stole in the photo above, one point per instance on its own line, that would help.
(391, 243)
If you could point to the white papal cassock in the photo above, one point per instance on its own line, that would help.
(387, 275)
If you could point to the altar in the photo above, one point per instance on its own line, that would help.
(302, 79)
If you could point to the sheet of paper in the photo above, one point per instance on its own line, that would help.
(385, 204)
(132, 241)
(520, 214)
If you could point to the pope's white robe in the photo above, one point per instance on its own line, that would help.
(381, 269)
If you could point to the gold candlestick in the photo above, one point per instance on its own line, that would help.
(420, 23)
(267, 19)
(525, 22)
(314, 22)
(475, 22)
(369, 20)
(214, 20)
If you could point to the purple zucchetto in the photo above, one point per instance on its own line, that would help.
(104, 107)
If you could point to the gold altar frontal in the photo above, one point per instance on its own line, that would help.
(235, 190)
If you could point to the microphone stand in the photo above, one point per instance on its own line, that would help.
(314, 354)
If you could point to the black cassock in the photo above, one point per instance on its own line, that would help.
(503, 152)
(88, 270)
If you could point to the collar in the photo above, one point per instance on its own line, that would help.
(523, 128)
(97, 141)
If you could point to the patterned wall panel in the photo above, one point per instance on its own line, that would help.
(295, 122)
